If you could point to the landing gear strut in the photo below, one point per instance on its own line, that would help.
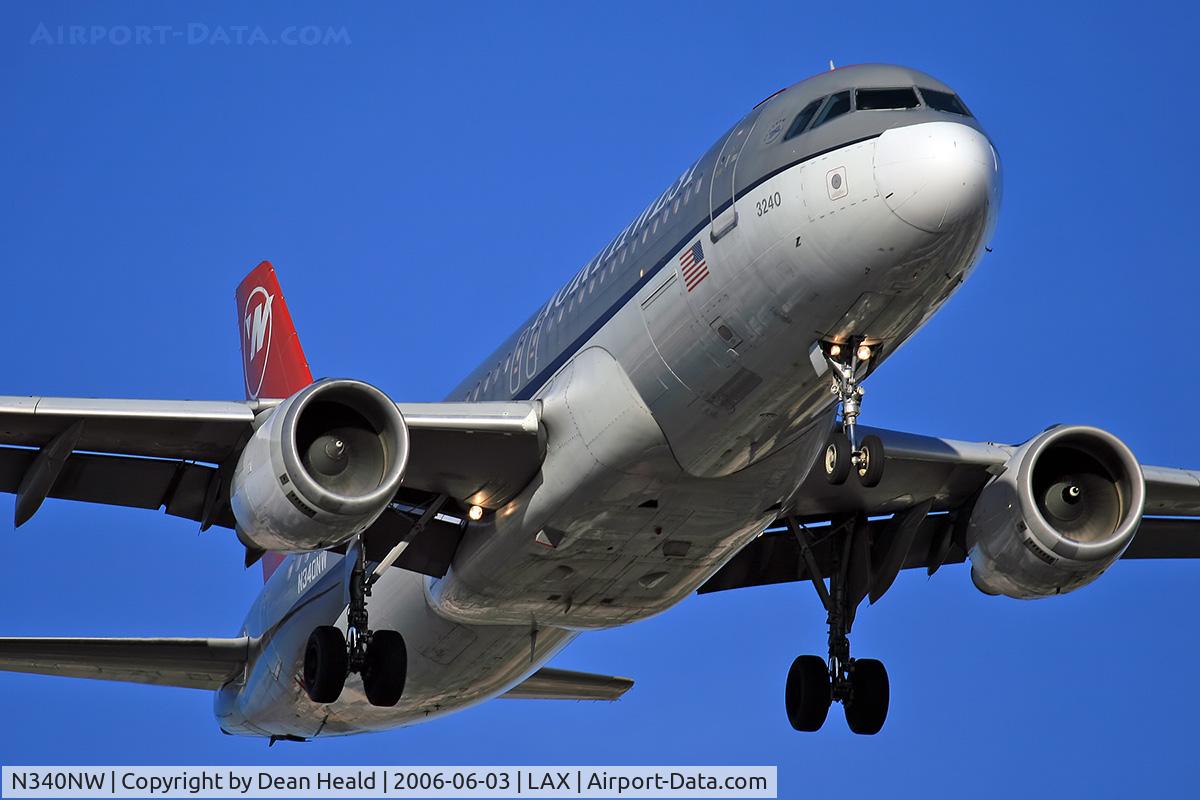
(844, 452)
(860, 685)
(379, 656)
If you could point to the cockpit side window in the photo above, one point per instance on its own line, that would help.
(887, 99)
(803, 118)
(944, 101)
(835, 106)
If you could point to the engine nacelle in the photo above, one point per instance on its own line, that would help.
(1065, 508)
(320, 469)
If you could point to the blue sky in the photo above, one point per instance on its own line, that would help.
(424, 185)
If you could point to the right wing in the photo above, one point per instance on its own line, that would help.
(177, 455)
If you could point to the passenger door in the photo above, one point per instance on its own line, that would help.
(722, 209)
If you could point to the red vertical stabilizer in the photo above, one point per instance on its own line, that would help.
(273, 363)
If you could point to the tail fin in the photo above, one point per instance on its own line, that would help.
(272, 362)
(273, 365)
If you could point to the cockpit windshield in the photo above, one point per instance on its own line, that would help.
(875, 99)
(901, 98)
(944, 101)
(803, 118)
(837, 105)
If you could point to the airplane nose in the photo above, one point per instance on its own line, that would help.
(936, 174)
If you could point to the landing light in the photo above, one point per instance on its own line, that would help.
(475, 513)
(863, 353)
(835, 350)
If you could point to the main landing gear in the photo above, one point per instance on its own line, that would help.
(844, 452)
(813, 684)
(379, 656)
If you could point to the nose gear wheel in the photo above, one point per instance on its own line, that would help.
(845, 452)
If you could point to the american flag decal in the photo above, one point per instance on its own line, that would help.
(695, 268)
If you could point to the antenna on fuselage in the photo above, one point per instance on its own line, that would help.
(831, 66)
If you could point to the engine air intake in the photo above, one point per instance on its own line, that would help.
(321, 469)
(1067, 505)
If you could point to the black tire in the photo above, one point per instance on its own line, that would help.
(836, 459)
(871, 460)
(867, 706)
(326, 663)
(807, 695)
(385, 668)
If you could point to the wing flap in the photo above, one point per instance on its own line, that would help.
(187, 663)
(1165, 537)
(178, 486)
(549, 683)
(775, 557)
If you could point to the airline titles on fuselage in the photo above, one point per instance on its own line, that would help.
(521, 363)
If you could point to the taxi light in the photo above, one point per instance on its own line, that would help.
(475, 513)
(864, 352)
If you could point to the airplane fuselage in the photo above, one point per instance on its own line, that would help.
(684, 393)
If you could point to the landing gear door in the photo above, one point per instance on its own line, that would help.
(722, 210)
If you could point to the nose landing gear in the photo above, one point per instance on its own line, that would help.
(844, 453)
(860, 685)
(380, 657)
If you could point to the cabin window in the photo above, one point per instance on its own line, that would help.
(835, 106)
(944, 101)
(890, 99)
(802, 119)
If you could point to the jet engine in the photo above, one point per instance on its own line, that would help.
(1067, 505)
(320, 468)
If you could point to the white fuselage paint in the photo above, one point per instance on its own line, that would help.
(669, 444)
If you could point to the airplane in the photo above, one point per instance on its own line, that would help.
(683, 415)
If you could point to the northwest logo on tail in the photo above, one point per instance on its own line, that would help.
(256, 339)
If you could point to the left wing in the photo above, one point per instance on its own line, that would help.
(916, 516)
